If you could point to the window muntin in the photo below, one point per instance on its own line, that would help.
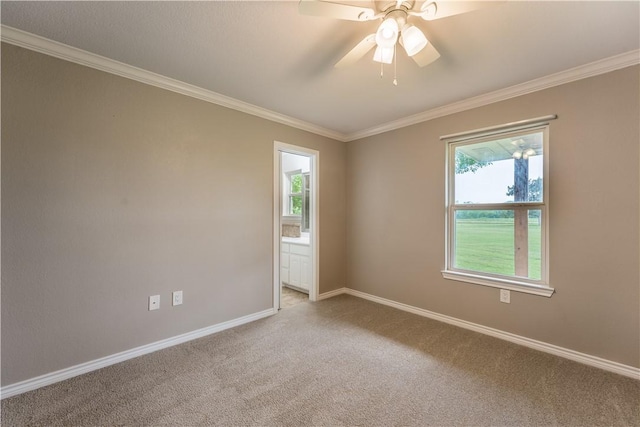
(497, 210)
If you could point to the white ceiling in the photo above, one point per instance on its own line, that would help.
(265, 53)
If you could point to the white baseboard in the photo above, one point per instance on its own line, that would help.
(83, 368)
(607, 365)
(330, 294)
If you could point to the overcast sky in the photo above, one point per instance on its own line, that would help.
(489, 184)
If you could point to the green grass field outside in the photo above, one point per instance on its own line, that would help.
(487, 245)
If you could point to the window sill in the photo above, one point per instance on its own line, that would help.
(512, 285)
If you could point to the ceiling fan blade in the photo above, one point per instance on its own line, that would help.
(426, 56)
(335, 10)
(357, 52)
(444, 8)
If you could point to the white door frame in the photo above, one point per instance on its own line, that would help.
(314, 242)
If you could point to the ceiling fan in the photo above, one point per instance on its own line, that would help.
(395, 26)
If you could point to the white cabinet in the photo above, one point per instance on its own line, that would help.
(295, 266)
(294, 270)
(284, 263)
(305, 273)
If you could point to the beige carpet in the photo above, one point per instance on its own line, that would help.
(342, 361)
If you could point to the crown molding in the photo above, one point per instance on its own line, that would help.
(578, 73)
(82, 57)
(68, 53)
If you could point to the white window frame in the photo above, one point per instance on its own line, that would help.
(514, 283)
(289, 194)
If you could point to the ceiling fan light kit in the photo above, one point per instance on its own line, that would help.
(394, 28)
(413, 40)
(384, 54)
(387, 33)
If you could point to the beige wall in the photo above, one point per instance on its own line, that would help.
(395, 219)
(113, 190)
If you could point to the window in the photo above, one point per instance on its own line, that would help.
(298, 191)
(294, 182)
(497, 212)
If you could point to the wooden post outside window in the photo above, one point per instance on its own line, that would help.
(521, 217)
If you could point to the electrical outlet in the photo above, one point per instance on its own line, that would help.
(177, 297)
(505, 296)
(154, 302)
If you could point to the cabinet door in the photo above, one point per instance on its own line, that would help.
(305, 273)
(294, 270)
(284, 275)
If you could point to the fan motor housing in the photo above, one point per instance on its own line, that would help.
(400, 16)
(388, 6)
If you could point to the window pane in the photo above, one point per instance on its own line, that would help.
(295, 205)
(500, 171)
(296, 183)
(305, 218)
(485, 242)
(535, 244)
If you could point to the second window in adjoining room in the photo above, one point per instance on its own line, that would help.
(298, 191)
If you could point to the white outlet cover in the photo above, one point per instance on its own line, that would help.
(505, 296)
(154, 302)
(177, 298)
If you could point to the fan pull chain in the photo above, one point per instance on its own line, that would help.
(381, 70)
(395, 67)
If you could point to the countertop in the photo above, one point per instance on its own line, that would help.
(302, 240)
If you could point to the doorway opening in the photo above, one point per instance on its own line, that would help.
(295, 225)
